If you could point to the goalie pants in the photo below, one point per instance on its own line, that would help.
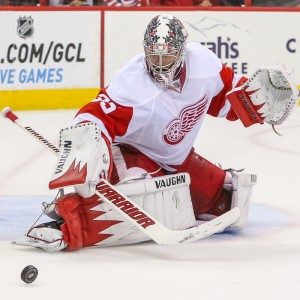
(206, 188)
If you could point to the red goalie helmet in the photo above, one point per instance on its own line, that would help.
(163, 42)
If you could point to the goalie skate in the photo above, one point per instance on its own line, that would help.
(46, 236)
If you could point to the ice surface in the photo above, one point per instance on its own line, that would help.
(262, 262)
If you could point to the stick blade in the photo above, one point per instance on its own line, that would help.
(201, 231)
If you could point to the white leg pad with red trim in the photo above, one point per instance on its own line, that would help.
(241, 185)
(166, 198)
(91, 222)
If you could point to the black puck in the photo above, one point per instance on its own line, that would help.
(29, 274)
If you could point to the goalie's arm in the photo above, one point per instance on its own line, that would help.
(224, 82)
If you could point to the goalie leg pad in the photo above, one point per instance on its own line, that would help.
(242, 185)
(87, 220)
(166, 198)
(91, 222)
(238, 195)
(67, 207)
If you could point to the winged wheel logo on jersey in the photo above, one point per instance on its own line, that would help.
(188, 118)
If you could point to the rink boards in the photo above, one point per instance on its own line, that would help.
(59, 58)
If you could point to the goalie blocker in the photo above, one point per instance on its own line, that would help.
(84, 158)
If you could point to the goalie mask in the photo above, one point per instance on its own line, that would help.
(163, 42)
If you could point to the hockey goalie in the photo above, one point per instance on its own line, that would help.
(139, 133)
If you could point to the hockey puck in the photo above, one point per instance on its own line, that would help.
(29, 274)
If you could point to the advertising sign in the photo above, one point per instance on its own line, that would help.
(243, 40)
(49, 51)
(54, 59)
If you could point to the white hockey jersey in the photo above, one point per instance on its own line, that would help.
(163, 124)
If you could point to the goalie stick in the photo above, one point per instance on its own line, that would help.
(136, 215)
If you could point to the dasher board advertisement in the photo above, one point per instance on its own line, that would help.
(243, 40)
(57, 52)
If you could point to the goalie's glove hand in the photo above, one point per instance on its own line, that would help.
(268, 96)
(83, 159)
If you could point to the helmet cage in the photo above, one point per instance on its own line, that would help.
(163, 72)
(163, 43)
